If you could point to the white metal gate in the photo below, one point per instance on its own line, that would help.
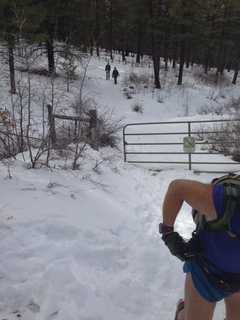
(185, 144)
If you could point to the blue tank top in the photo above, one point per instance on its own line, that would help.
(218, 247)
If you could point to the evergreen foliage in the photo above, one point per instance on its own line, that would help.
(182, 32)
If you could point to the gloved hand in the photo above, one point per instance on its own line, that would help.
(193, 246)
(183, 250)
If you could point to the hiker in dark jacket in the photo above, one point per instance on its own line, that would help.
(108, 70)
(211, 258)
(115, 74)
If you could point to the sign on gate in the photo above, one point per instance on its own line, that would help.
(189, 144)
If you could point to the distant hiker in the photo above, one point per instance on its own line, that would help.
(108, 70)
(212, 256)
(115, 74)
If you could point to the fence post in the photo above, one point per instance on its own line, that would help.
(189, 155)
(93, 129)
(53, 136)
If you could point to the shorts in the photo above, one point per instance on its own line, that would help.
(201, 282)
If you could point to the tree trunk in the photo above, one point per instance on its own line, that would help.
(236, 69)
(97, 27)
(50, 53)
(139, 43)
(207, 61)
(123, 56)
(235, 76)
(155, 49)
(156, 67)
(188, 55)
(175, 46)
(11, 69)
(221, 52)
(223, 61)
(51, 123)
(182, 59)
(166, 47)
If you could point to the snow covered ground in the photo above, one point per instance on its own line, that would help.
(85, 244)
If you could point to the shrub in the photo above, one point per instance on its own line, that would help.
(127, 94)
(137, 107)
(11, 143)
(223, 138)
(137, 82)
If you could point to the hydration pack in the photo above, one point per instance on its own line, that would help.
(231, 183)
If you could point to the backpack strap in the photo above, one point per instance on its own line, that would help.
(233, 235)
(230, 207)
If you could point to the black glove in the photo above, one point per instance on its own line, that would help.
(183, 250)
(193, 247)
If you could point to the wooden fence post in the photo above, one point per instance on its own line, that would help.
(53, 136)
(93, 129)
(92, 136)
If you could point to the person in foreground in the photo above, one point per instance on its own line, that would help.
(212, 256)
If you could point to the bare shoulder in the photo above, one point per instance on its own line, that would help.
(197, 194)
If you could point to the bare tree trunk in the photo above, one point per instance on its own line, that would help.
(155, 47)
(139, 43)
(175, 46)
(236, 69)
(156, 68)
(234, 81)
(51, 122)
(11, 69)
(97, 27)
(207, 61)
(182, 58)
(51, 62)
(223, 61)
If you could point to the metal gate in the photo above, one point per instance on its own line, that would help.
(195, 145)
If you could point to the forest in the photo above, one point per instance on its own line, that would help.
(182, 32)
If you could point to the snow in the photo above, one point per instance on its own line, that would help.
(85, 244)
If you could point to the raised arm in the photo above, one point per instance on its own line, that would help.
(198, 195)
